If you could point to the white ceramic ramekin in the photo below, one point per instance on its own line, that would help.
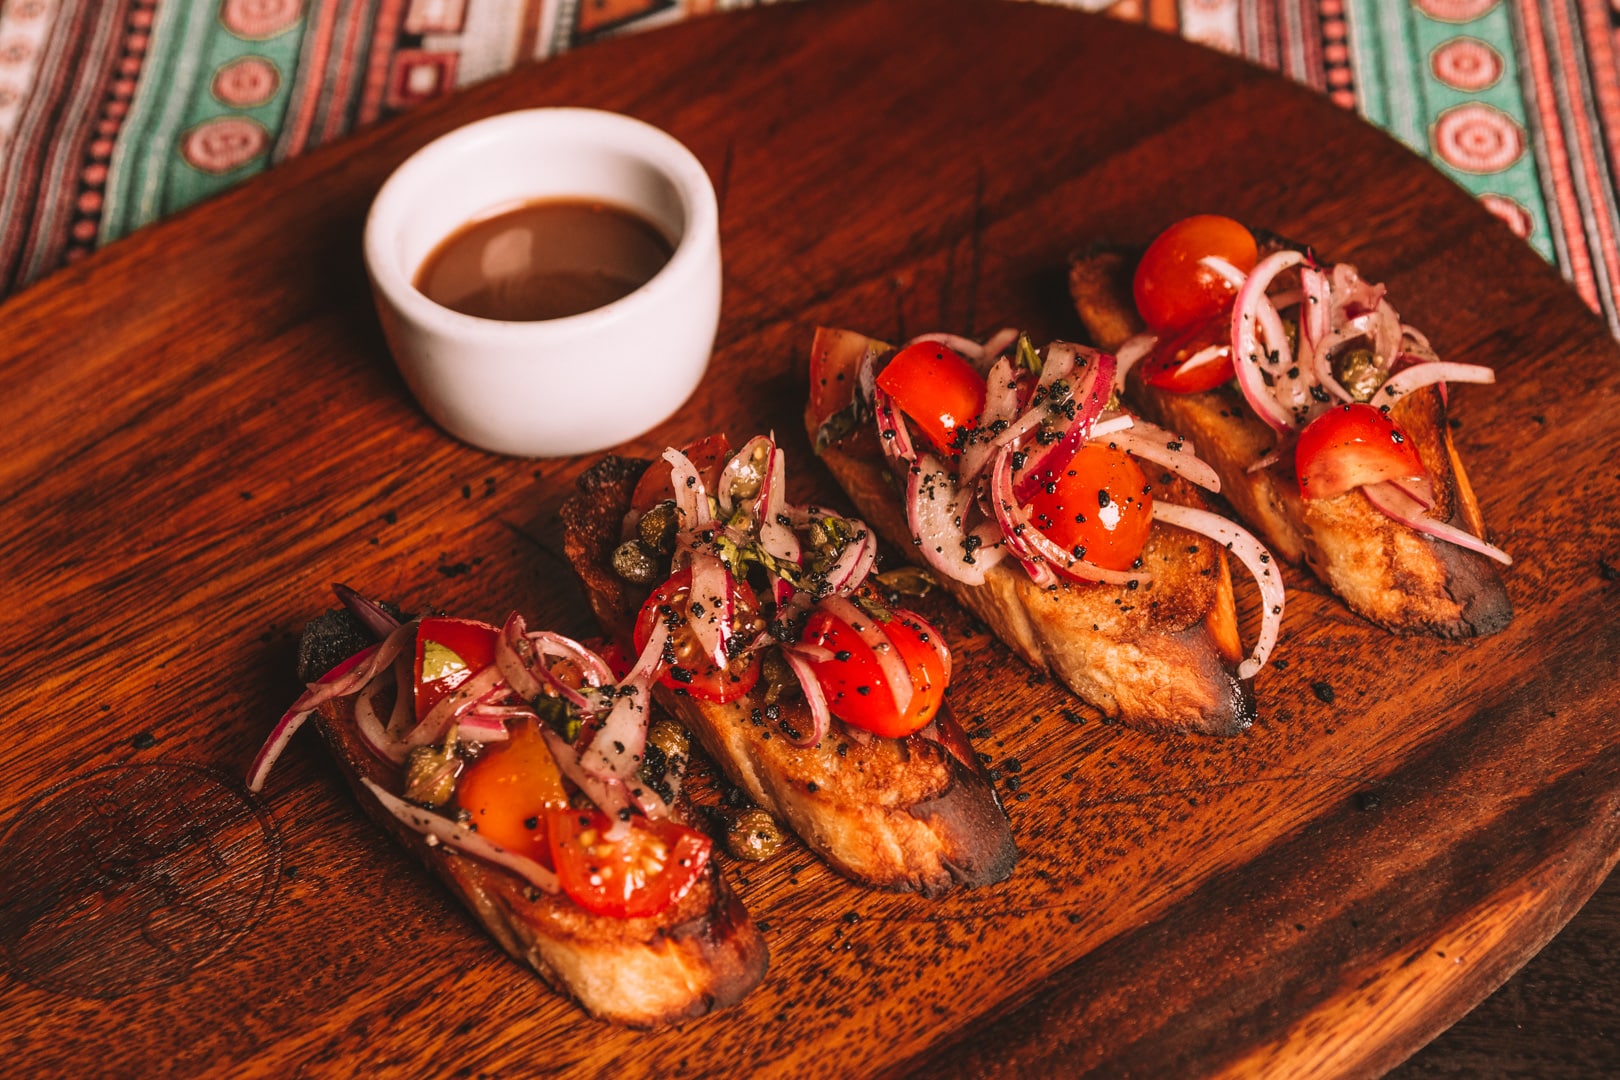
(559, 386)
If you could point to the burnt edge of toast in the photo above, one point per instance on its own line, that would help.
(705, 945)
(965, 815)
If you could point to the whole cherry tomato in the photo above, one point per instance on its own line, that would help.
(1351, 445)
(1099, 508)
(1173, 288)
(857, 691)
(937, 389)
(691, 670)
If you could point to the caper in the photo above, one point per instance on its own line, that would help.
(1290, 327)
(777, 676)
(754, 835)
(430, 775)
(909, 580)
(634, 563)
(1358, 372)
(669, 737)
(657, 527)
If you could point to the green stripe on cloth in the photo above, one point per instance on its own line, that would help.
(182, 142)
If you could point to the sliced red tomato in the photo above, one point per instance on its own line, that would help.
(509, 789)
(857, 691)
(708, 455)
(1100, 508)
(448, 653)
(1162, 368)
(691, 670)
(937, 389)
(652, 867)
(1173, 288)
(1351, 445)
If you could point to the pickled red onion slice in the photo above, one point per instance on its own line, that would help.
(614, 750)
(1246, 319)
(1417, 376)
(1253, 555)
(798, 659)
(1396, 503)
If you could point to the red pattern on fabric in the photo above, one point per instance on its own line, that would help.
(1539, 64)
(312, 72)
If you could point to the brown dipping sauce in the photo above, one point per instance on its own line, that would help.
(543, 260)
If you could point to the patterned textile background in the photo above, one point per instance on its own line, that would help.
(114, 113)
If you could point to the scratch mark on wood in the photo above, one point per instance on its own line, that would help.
(540, 543)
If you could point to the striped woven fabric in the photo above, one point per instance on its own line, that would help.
(114, 113)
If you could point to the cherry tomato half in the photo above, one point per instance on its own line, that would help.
(652, 867)
(708, 455)
(853, 681)
(691, 670)
(509, 789)
(1173, 289)
(1162, 368)
(448, 653)
(937, 389)
(1351, 445)
(1100, 508)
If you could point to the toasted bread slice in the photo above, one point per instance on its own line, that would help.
(1159, 657)
(906, 814)
(1385, 571)
(700, 954)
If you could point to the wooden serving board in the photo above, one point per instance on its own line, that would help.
(204, 430)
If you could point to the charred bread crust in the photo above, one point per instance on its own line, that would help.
(902, 814)
(1396, 577)
(702, 953)
(1160, 657)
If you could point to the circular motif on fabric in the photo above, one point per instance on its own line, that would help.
(1466, 64)
(1510, 211)
(15, 52)
(260, 19)
(1477, 138)
(224, 143)
(132, 877)
(1454, 11)
(246, 82)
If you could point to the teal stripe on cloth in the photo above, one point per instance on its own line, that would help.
(176, 99)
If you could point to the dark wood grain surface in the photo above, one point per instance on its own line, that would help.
(204, 431)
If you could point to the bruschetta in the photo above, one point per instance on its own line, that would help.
(1323, 413)
(1075, 531)
(821, 702)
(454, 735)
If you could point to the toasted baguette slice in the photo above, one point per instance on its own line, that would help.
(1389, 573)
(702, 953)
(1159, 657)
(917, 813)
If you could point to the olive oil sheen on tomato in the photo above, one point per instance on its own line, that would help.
(543, 260)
